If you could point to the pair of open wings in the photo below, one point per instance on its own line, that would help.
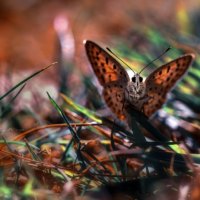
(114, 79)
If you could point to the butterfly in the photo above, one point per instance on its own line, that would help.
(146, 96)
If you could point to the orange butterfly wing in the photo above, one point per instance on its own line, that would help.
(115, 99)
(111, 75)
(162, 80)
(106, 68)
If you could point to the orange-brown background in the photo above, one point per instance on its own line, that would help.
(28, 37)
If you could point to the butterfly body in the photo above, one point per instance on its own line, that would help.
(135, 94)
(120, 92)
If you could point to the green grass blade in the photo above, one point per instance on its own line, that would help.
(82, 109)
(75, 136)
(26, 79)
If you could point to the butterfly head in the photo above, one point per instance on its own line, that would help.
(135, 89)
(137, 80)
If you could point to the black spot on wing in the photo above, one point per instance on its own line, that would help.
(107, 60)
(168, 68)
(102, 78)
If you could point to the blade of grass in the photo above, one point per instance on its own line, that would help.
(73, 132)
(26, 79)
(118, 128)
(143, 121)
(121, 161)
(69, 145)
(97, 161)
(8, 107)
(34, 155)
(75, 136)
(138, 136)
(81, 109)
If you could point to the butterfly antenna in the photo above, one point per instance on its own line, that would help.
(120, 59)
(156, 58)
